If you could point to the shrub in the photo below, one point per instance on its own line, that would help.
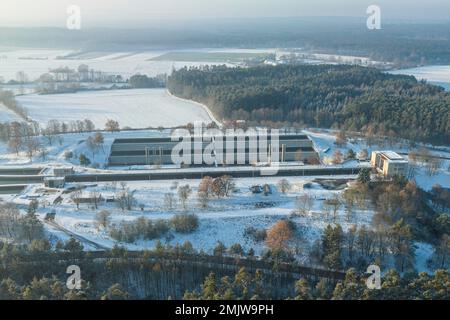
(141, 228)
(84, 161)
(68, 155)
(184, 223)
(256, 235)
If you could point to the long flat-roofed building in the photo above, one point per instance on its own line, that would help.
(389, 163)
(229, 150)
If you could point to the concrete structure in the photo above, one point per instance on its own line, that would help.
(158, 151)
(63, 171)
(389, 163)
(54, 182)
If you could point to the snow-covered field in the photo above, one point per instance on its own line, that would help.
(224, 220)
(35, 62)
(136, 108)
(439, 75)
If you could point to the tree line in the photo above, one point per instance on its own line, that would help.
(121, 276)
(331, 96)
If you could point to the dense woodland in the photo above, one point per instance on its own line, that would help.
(346, 97)
(36, 272)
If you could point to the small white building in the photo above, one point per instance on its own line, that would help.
(54, 182)
(389, 163)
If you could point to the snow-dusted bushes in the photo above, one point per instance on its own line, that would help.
(141, 228)
(147, 229)
(184, 223)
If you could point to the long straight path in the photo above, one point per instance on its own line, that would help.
(198, 173)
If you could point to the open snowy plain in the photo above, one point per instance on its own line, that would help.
(134, 108)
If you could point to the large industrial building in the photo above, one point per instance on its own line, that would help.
(237, 150)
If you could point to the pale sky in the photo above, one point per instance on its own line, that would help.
(120, 13)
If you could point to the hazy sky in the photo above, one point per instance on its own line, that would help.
(98, 13)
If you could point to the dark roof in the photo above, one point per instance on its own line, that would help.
(169, 139)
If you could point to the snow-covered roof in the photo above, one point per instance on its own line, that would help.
(54, 179)
(393, 156)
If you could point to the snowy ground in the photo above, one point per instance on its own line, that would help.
(224, 220)
(35, 62)
(439, 75)
(137, 108)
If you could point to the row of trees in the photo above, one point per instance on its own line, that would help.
(117, 277)
(393, 287)
(8, 100)
(246, 285)
(53, 128)
(29, 137)
(55, 289)
(208, 188)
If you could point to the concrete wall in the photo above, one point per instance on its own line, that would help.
(146, 152)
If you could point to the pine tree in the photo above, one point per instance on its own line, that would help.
(242, 282)
(209, 287)
(364, 176)
(302, 290)
(115, 292)
(350, 289)
(220, 249)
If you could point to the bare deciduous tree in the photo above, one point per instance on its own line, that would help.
(183, 194)
(169, 201)
(125, 199)
(112, 125)
(284, 185)
(103, 219)
(76, 197)
(304, 203)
